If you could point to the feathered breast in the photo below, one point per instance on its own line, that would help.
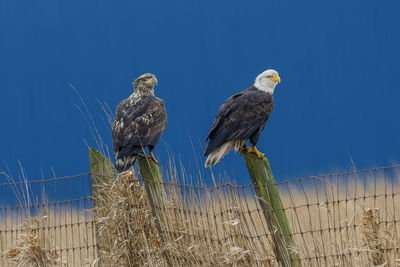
(138, 122)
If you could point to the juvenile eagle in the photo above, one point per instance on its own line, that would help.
(139, 122)
(243, 116)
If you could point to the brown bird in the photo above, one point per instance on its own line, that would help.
(139, 122)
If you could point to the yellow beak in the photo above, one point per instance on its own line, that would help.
(276, 78)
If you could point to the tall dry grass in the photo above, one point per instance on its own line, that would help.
(58, 236)
(125, 226)
(356, 224)
(335, 222)
(30, 249)
(343, 220)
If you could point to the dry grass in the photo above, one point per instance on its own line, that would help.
(338, 228)
(126, 230)
(192, 231)
(335, 222)
(58, 237)
(31, 250)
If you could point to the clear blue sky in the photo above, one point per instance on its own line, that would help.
(338, 60)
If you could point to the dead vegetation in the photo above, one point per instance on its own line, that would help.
(332, 225)
(352, 222)
(128, 235)
(31, 249)
(126, 231)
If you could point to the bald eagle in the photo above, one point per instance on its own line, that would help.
(243, 116)
(139, 122)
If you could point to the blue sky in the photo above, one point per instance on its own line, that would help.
(338, 62)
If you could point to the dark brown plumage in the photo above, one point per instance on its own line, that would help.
(138, 123)
(242, 117)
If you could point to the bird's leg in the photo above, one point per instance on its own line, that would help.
(151, 156)
(255, 151)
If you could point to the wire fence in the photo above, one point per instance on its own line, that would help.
(49, 214)
(346, 219)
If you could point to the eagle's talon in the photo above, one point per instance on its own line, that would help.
(259, 154)
(151, 156)
(255, 151)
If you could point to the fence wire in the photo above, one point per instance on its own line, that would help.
(346, 219)
(49, 214)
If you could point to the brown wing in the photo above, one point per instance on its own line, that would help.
(138, 123)
(241, 116)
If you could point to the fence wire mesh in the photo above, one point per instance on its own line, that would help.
(51, 215)
(347, 219)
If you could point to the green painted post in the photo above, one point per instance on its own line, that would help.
(150, 173)
(101, 173)
(152, 181)
(270, 201)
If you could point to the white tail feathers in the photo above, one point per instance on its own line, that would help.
(221, 151)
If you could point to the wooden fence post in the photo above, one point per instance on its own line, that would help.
(271, 204)
(152, 181)
(101, 172)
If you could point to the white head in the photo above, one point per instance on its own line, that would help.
(267, 81)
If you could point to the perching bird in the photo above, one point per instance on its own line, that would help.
(139, 122)
(243, 116)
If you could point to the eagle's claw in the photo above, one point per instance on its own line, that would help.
(255, 151)
(151, 156)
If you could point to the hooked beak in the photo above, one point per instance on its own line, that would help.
(276, 78)
(155, 81)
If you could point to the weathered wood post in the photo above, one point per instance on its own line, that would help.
(271, 204)
(101, 173)
(152, 181)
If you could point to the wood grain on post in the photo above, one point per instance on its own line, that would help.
(101, 173)
(271, 204)
(152, 181)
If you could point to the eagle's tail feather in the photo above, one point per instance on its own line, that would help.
(215, 156)
(124, 164)
(125, 157)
